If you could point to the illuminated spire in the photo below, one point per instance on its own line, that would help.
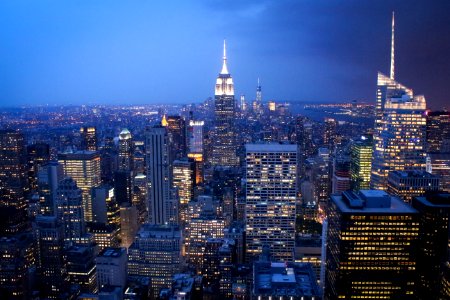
(392, 75)
(224, 67)
(164, 121)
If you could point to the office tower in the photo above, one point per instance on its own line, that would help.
(321, 177)
(410, 184)
(104, 235)
(105, 208)
(48, 178)
(438, 131)
(257, 104)
(439, 164)
(432, 254)
(81, 267)
(271, 191)
(400, 128)
(84, 168)
(284, 280)
(195, 136)
(13, 181)
(184, 182)
(123, 190)
(304, 135)
(199, 229)
(218, 260)
(88, 138)
(224, 144)
(112, 267)
(37, 155)
(125, 151)
(242, 103)
(129, 224)
(361, 163)
(341, 174)
(371, 246)
(140, 196)
(329, 134)
(157, 157)
(236, 232)
(70, 212)
(16, 255)
(156, 253)
(176, 130)
(51, 267)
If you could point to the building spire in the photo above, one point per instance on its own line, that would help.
(392, 75)
(224, 66)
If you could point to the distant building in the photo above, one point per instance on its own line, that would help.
(70, 210)
(439, 164)
(410, 184)
(81, 267)
(125, 151)
(84, 168)
(112, 267)
(271, 191)
(438, 131)
(371, 246)
(361, 163)
(89, 138)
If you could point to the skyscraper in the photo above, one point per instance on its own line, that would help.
(271, 191)
(125, 151)
(156, 253)
(157, 157)
(70, 210)
(432, 251)
(176, 129)
(84, 168)
(409, 184)
(13, 180)
(400, 125)
(438, 131)
(184, 181)
(224, 145)
(371, 244)
(361, 163)
(195, 136)
(88, 138)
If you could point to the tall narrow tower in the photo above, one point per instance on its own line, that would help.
(400, 127)
(224, 147)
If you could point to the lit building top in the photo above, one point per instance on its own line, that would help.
(125, 134)
(273, 147)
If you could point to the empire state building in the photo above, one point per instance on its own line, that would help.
(224, 145)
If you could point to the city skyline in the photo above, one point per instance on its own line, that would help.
(144, 53)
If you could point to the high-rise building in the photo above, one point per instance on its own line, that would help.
(48, 178)
(438, 131)
(400, 128)
(439, 164)
(125, 151)
(37, 155)
(81, 267)
(84, 168)
(176, 129)
(195, 136)
(432, 254)
(341, 174)
(410, 184)
(51, 264)
(371, 247)
(13, 181)
(361, 163)
(129, 224)
(304, 135)
(224, 145)
(88, 138)
(156, 253)
(329, 134)
(105, 208)
(70, 212)
(158, 176)
(112, 267)
(184, 182)
(271, 191)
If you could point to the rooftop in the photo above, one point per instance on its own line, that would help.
(271, 147)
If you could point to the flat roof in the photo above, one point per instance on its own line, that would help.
(397, 206)
(271, 147)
